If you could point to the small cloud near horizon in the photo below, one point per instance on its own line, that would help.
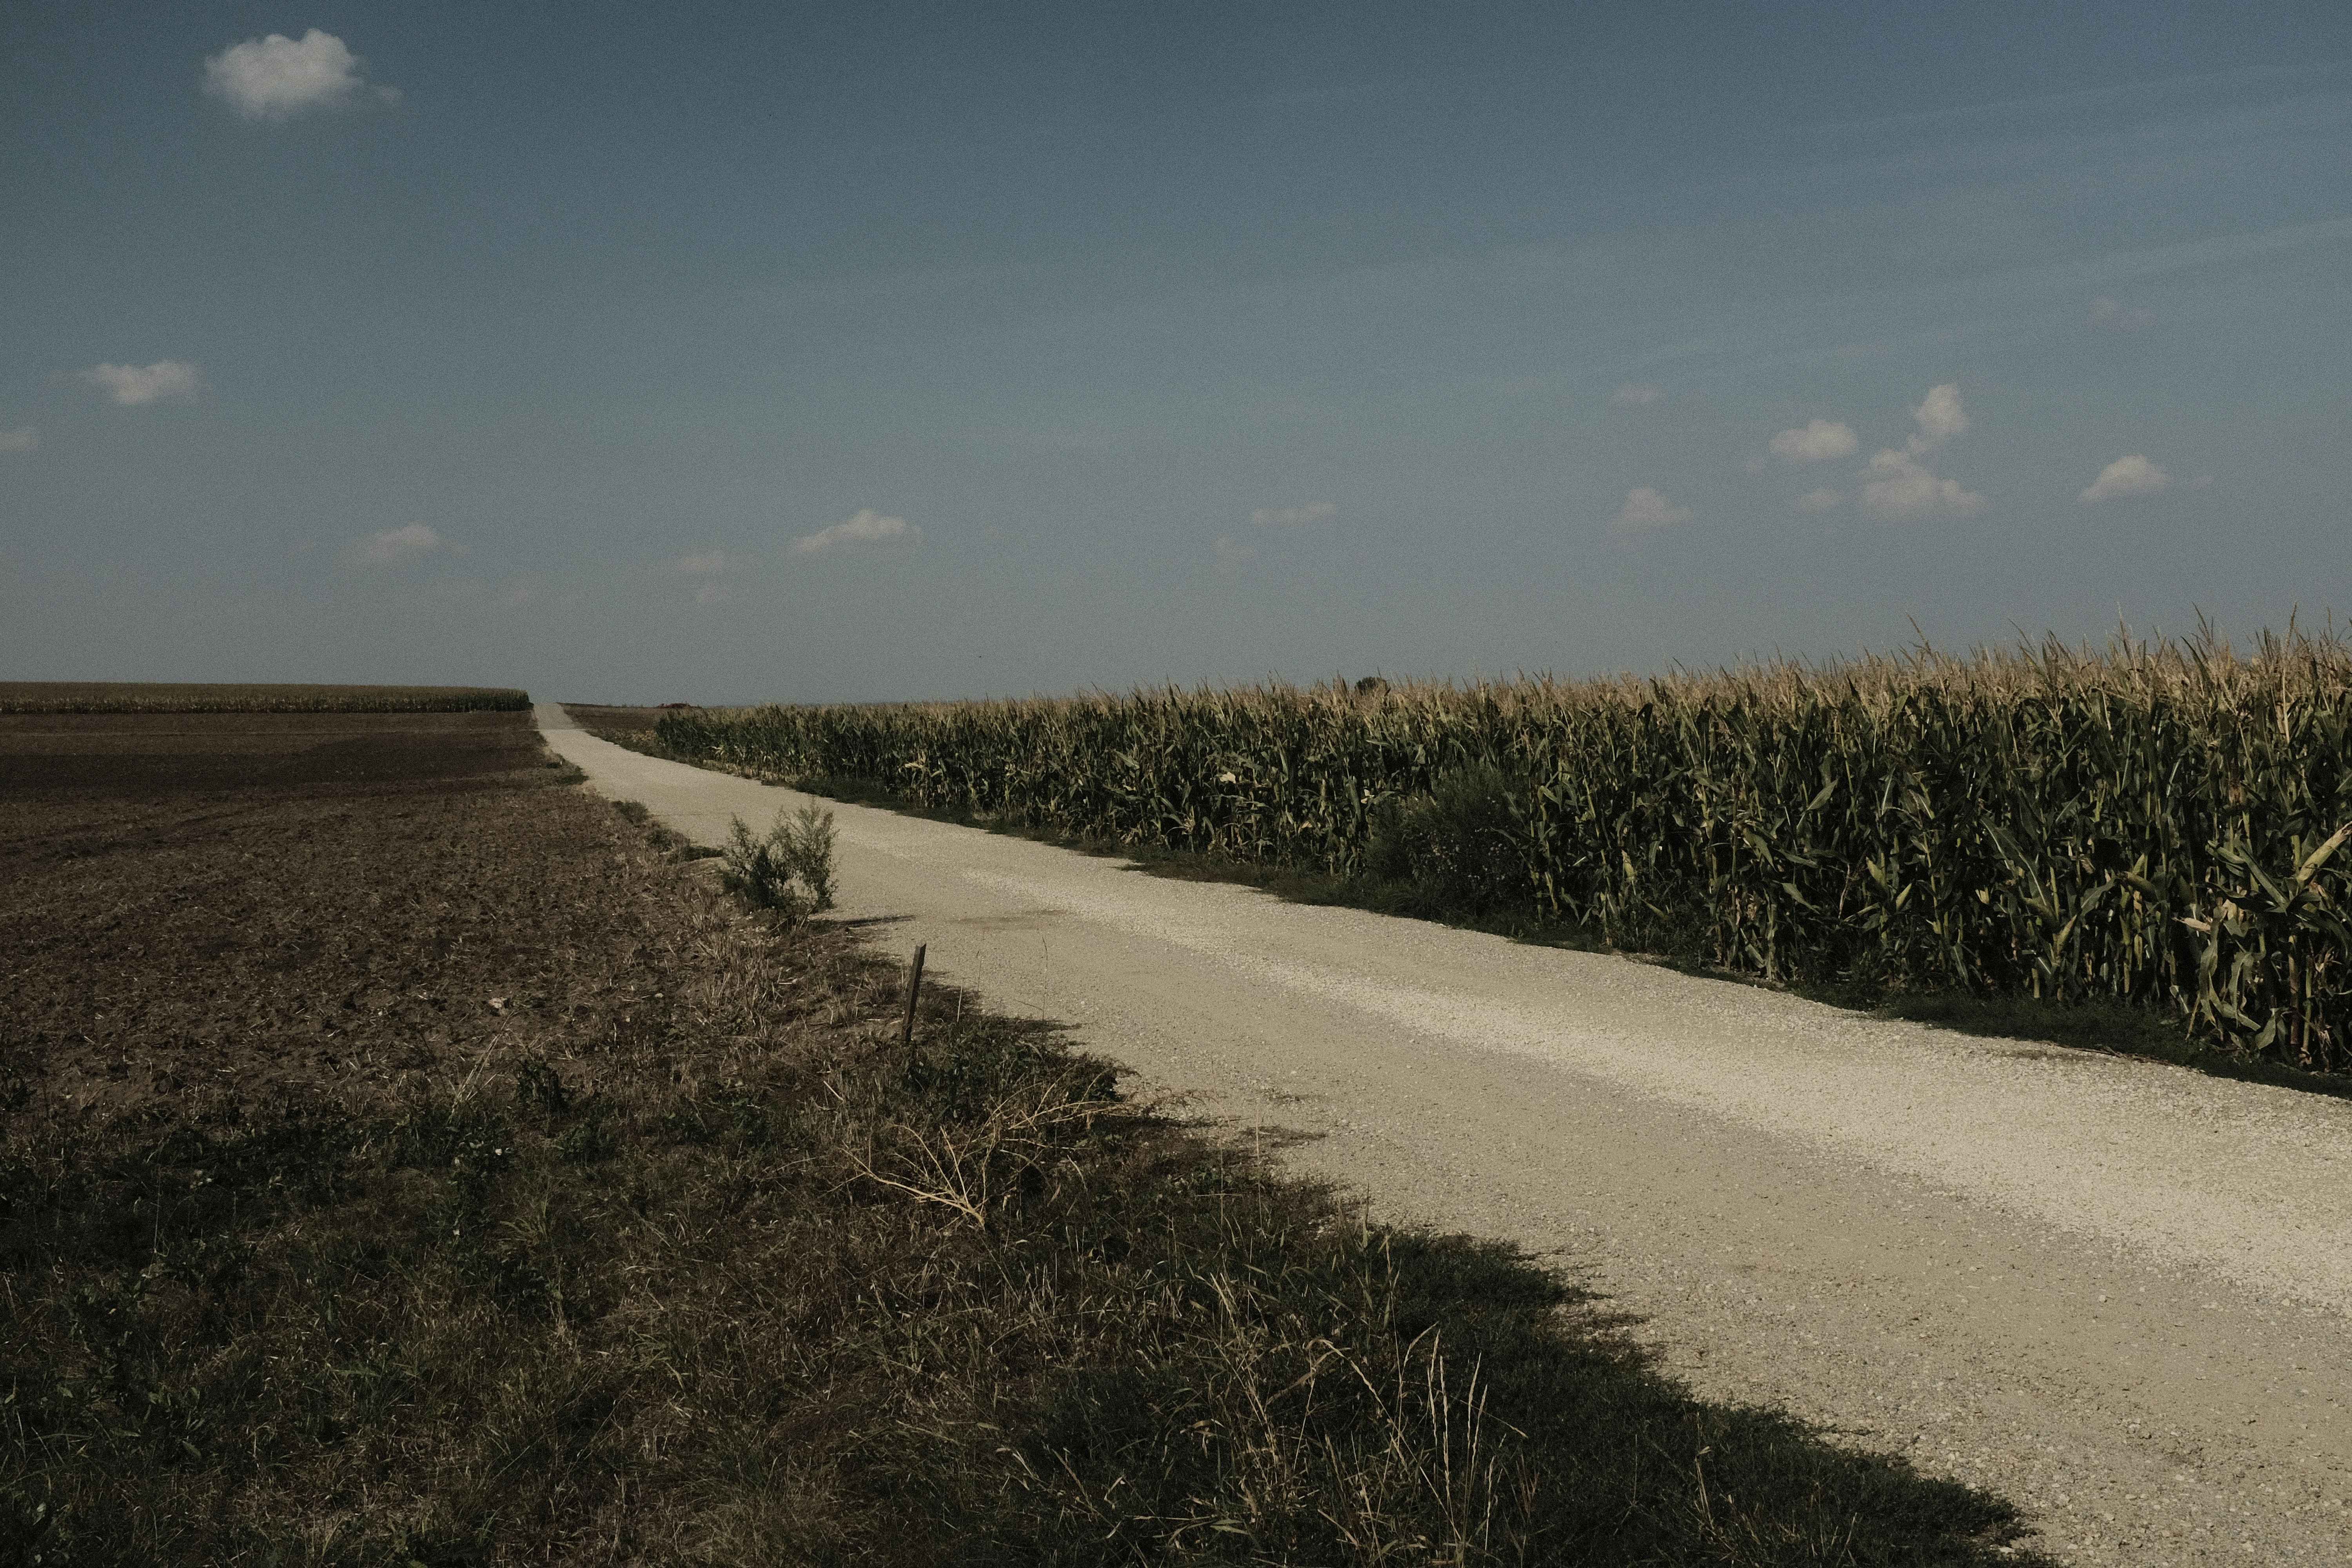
(132, 385)
(1646, 511)
(1899, 485)
(1233, 553)
(1823, 499)
(2132, 476)
(1294, 516)
(25, 440)
(868, 527)
(1635, 396)
(1939, 417)
(396, 544)
(1818, 442)
(1896, 483)
(274, 77)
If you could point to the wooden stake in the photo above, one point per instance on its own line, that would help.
(914, 990)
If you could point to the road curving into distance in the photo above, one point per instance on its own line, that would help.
(2117, 1291)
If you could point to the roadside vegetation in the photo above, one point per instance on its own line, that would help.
(788, 871)
(405, 1166)
(2151, 831)
(182, 697)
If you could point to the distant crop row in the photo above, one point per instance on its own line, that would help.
(2161, 825)
(180, 696)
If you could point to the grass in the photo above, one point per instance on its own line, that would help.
(673, 844)
(666, 1252)
(183, 697)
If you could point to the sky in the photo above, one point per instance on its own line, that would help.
(726, 353)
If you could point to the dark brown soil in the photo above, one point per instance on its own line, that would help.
(261, 903)
(186, 697)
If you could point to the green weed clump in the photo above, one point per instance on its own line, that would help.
(789, 872)
(2151, 825)
(1456, 849)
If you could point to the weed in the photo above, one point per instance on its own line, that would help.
(674, 845)
(537, 1084)
(1456, 847)
(789, 871)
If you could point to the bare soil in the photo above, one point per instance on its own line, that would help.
(252, 904)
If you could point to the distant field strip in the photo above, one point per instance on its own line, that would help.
(179, 697)
(2153, 823)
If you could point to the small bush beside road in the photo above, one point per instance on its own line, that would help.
(789, 871)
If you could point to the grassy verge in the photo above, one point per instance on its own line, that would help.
(533, 1202)
(2106, 1028)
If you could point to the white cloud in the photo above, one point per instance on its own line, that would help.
(1817, 442)
(1940, 418)
(396, 544)
(1291, 516)
(2106, 312)
(868, 527)
(1646, 510)
(1636, 396)
(25, 440)
(134, 385)
(2133, 476)
(1896, 485)
(276, 77)
(1231, 552)
(1823, 499)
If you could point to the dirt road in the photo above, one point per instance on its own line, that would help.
(2113, 1290)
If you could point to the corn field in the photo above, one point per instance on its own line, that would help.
(2158, 823)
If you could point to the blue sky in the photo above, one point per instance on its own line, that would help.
(733, 353)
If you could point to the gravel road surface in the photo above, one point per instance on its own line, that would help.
(2113, 1290)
